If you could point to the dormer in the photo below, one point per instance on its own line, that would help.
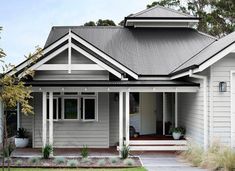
(159, 16)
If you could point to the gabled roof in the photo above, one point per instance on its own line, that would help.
(149, 51)
(160, 12)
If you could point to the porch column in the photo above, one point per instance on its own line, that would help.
(176, 109)
(120, 121)
(51, 118)
(44, 118)
(18, 115)
(127, 111)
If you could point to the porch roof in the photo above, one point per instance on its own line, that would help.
(102, 83)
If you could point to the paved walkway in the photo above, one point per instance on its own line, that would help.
(165, 162)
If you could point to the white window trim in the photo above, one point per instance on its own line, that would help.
(96, 108)
(57, 108)
(78, 109)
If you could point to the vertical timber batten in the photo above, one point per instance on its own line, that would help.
(51, 118)
(120, 121)
(127, 112)
(44, 118)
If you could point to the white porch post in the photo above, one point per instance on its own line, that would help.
(164, 113)
(51, 118)
(18, 115)
(44, 118)
(120, 121)
(176, 109)
(127, 111)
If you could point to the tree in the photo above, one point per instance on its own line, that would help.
(217, 16)
(101, 22)
(13, 91)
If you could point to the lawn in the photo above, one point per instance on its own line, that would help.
(39, 169)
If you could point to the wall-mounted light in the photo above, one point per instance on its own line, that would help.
(222, 86)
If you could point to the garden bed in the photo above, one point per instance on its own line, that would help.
(61, 162)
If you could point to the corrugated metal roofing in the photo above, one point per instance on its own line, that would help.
(209, 52)
(160, 12)
(146, 51)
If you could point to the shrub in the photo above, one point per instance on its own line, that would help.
(84, 151)
(59, 160)
(19, 162)
(125, 152)
(47, 150)
(86, 160)
(34, 160)
(22, 133)
(72, 163)
(113, 160)
(8, 150)
(101, 162)
(129, 162)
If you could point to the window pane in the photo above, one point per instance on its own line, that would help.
(59, 108)
(81, 108)
(70, 108)
(134, 103)
(89, 109)
(54, 108)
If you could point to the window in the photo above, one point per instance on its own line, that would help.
(55, 109)
(134, 103)
(89, 108)
(71, 108)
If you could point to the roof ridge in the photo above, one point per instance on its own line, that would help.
(143, 11)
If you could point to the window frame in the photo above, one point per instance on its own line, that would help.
(63, 107)
(83, 106)
(57, 108)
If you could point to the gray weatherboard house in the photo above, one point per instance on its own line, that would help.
(93, 83)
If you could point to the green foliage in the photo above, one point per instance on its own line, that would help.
(129, 162)
(101, 162)
(59, 160)
(22, 133)
(72, 163)
(84, 151)
(86, 160)
(34, 160)
(47, 150)
(125, 152)
(18, 162)
(178, 130)
(113, 160)
(8, 149)
(101, 22)
(90, 23)
(217, 16)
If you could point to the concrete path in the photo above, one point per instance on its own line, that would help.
(165, 162)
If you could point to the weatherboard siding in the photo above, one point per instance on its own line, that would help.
(220, 71)
(76, 133)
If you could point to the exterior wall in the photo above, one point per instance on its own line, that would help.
(190, 111)
(76, 133)
(221, 101)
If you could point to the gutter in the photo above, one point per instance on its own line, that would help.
(205, 106)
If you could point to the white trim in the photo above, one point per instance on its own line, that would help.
(232, 87)
(69, 52)
(119, 75)
(154, 78)
(51, 118)
(180, 75)
(160, 20)
(96, 108)
(46, 50)
(158, 142)
(103, 55)
(158, 148)
(77, 67)
(18, 115)
(176, 109)
(164, 113)
(44, 118)
(57, 108)
(127, 113)
(120, 120)
(163, 25)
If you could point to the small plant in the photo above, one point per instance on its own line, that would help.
(125, 152)
(129, 162)
(18, 162)
(113, 160)
(84, 151)
(101, 162)
(72, 163)
(22, 133)
(47, 150)
(59, 160)
(86, 160)
(178, 130)
(34, 160)
(8, 150)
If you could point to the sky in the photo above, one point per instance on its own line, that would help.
(27, 23)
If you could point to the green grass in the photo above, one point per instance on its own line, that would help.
(39, 169)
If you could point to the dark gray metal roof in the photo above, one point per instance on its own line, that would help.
(110, 83)
(160, 12)
(146, 51)
(209, 52)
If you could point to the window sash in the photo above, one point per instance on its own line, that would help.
(57, 108)
(63, 106)
(84, 108)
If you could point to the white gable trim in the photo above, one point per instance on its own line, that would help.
(103, 55)
(66, 67)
